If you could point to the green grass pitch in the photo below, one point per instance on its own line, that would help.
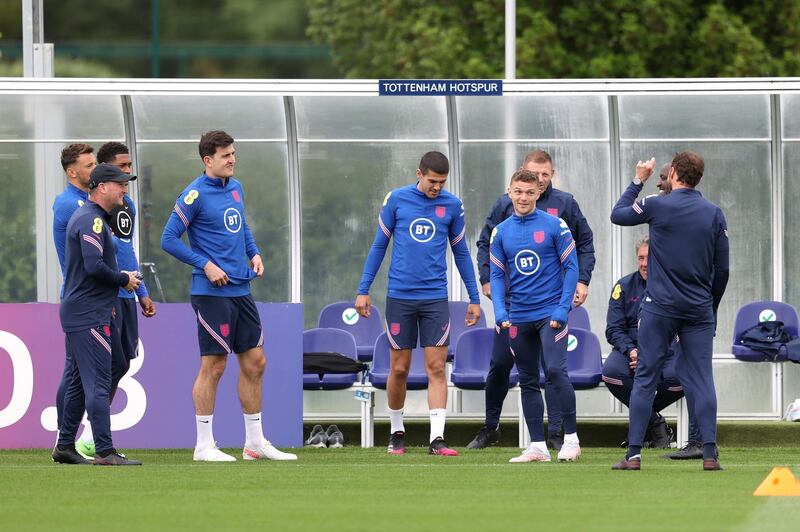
(366, 489)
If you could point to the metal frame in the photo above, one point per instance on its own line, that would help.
(295, 204)
(47, 186)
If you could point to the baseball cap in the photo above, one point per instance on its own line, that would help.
(104, 173)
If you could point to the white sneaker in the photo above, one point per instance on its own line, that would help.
(212, 454)
(531, 454)
(792, 411)
(569, 452)
(266, 451)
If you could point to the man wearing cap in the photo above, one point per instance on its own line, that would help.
(91, 282)
(125, 323)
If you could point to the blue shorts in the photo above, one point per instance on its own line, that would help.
(406, 319)
(227, 324)
(125, 323)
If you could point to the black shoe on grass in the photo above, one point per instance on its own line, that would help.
(68, 455)
(690, 451)
(114, 459)
(484, 438)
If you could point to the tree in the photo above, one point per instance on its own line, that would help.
(560, 39)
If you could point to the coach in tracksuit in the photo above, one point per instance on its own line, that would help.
(92, 280)
(688, 273)
(536, 252)
(557, 203)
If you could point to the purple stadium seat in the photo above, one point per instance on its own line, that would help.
(579, 318)
(584, 361)
(333, 341)
(458, 311)
(471, 361)
(379, 373)
(750, 315)
(341, 315)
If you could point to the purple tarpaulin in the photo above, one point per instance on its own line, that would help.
(153, 408)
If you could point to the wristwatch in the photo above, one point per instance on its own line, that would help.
(637, 181)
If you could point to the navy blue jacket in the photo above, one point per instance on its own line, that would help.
(622, 319)
(687, 267)
(92, 277)
(552, 201)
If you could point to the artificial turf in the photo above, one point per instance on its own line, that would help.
(366, 489)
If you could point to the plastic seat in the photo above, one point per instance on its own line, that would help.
(584, 360)
(379, 373)
(752, 314)
(343, 315)
(333, 341)
(472, 357)
(458, 311)
(579, 319)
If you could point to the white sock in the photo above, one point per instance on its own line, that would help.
(87, 435)
(396, 418)
(205, 434)
(571, 438)
(539, 446)
(438, 417)
(254, 436)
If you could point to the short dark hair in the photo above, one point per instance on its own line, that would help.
(70, 154)
(435, 161)
(526, 176)
(689, 167)
(109, 150)
(212, 140)
(537, 156)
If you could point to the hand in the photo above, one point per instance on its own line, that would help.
(581, 291)
(473, 314)
(634, 356)
(215, 274)
(257, 264)
(559, 318)
(363, 305)
(148, 307)
(487, 290)
(645, 169)
(506, 324)
(133, 280)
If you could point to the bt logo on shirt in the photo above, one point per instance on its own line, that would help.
(527, 262)
(232, 220)
(422, 230)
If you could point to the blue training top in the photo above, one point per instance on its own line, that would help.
(537, 253)
(422, 228)
(64, 207)
(122, 220)
(687, 266)
(92, 276)
(552, 201)
(212, 211)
